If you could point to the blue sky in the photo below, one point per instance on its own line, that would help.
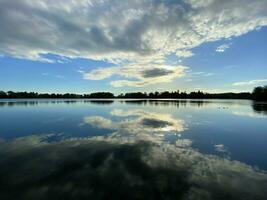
(88, 46)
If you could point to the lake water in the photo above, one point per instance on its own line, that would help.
(133, 149)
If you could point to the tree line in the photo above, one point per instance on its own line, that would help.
(259, 93)
(33, 95)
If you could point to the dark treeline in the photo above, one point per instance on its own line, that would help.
(33, 95)
(259, 93)
(184, 95)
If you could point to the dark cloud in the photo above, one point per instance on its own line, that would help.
(156, 72)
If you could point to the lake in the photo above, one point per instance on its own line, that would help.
(133, 149)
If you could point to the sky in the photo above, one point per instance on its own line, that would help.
(133, 45)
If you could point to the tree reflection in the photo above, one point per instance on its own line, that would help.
(91, 170)
(104, 168)
(25, 103)
(260, 107)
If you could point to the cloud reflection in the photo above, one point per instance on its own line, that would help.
(90, 168)
(249, 114)
(133, 162)
(139, 125)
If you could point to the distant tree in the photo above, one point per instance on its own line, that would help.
(3, 94)
(260, 93)
(165, 94)
(120, 95)
(11, 94)
(135, 95)
(156, 94)
(101, 95)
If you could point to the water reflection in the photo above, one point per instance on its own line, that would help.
(134, 150)
(168, 102)
(99, 168)
(12, 103)
(260, 107)
(101, 102)
(139, 124)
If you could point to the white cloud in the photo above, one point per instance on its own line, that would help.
(121, 32)
(209, 74)
(184, 53)
(59, 76)
(198, 74)
(52, 75)
(222, 48)
(248, 83)
(143, 74)
(118, 30)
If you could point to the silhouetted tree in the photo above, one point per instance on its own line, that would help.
(3, 94)
(260, 93)
(135, 95)
(101, 95)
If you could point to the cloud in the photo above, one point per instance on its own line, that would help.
(222, 48)
(184, 53)
(59, 76)
(183, 143)
(252, 82)
(52, 75)
(122, 32)
(191, 76)
(117, 30)
(201, 74)
(143, 74)
(150, 73)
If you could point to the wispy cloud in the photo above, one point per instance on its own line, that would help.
(52, 75)
(59, 76)
(222, 48)
(202, 73)
(199, 74)
(251, 82)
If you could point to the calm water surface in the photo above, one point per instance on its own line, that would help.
(92, 149)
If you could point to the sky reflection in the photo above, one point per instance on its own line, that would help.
(150, 149)
(109, 168)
